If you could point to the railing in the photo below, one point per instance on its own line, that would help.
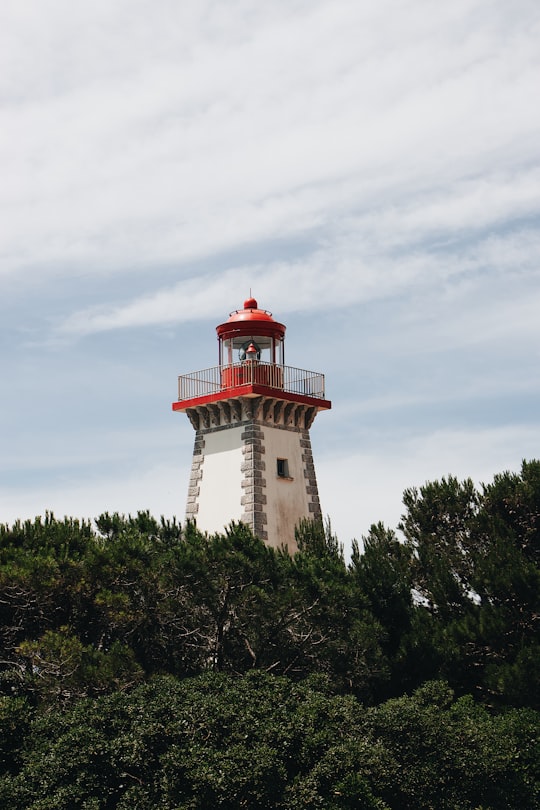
(222, 378)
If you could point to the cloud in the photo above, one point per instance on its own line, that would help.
(344, 273)
(140, 155)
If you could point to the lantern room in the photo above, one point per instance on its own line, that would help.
(249, 335)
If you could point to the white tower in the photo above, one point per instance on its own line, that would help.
(252, 458)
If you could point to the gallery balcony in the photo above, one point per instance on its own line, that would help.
(251, 379)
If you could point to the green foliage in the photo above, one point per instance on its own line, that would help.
(316, 537)
(382, 573)
(137, 597)
(15, 719)
(145, 664)
(59, 666)
(475, 564)
(263, 741)
(438, 525)
(455, 755)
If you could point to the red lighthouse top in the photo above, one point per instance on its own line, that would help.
(250, 321)
(247, 326)
(251, 364)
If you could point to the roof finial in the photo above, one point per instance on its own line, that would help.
(251, 302)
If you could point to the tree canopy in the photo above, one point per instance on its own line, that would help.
(162, 667)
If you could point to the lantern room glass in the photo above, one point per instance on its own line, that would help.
(272, 349)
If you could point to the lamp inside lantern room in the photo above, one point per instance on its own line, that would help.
(252, 353)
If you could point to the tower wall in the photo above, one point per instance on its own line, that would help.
(252, 461)
(216, 478)
(295, 495)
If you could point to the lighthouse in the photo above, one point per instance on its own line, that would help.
(252, 457)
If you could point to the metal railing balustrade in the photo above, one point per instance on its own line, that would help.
(222, 378)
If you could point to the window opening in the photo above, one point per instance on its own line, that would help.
(283, 468)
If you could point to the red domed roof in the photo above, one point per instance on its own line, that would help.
(250, 321)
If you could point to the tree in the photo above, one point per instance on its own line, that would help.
(267, 742)
(475, 567)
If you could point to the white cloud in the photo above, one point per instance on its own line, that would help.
(357, 275)
(250, 125)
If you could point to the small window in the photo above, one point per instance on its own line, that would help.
(282, 468)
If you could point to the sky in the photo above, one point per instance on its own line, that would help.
(370, 171)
